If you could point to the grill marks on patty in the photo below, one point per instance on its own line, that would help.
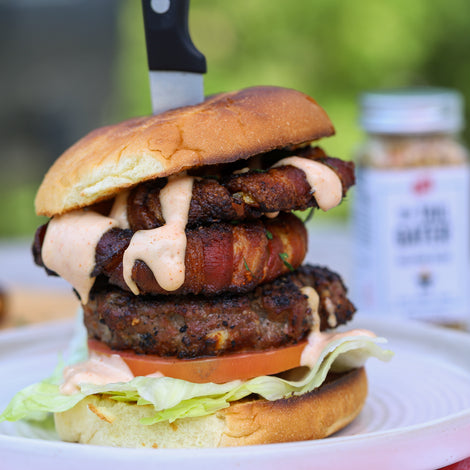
(273, 315)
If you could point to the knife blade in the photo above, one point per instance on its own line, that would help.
(176, 67)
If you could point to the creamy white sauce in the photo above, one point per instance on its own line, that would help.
(98, 369)
(70, 244)
(314, 302)
(119, 210)
(155, 375)
(325, 183)
(163, 249)
(331, 310)
(317, 340)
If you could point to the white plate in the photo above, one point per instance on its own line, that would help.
(417, 415)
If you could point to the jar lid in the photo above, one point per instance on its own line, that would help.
(411, 111)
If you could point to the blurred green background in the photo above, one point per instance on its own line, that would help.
(70, 66)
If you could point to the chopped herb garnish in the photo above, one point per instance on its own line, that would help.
(269, 235)
(284, 257)
(246, 265)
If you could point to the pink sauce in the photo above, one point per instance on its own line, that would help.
(317, 341)
(119, 210)
(163, 249)
(70, 244)
(325, 183)
(97, 370)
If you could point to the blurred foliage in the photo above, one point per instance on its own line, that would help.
(330, 49)
(18, 217)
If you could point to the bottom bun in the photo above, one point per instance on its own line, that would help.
(320, 413)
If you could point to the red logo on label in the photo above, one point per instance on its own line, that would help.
(422, 186)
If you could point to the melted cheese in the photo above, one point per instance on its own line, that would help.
(163, 249)
(325, 183)
(70, 244)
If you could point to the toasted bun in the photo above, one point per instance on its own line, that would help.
(315, 415)
(224, 128)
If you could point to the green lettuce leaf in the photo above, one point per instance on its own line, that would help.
(174, 399)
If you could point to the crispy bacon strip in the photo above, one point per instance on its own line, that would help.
(219, 257)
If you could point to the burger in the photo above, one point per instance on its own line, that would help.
(180, 234)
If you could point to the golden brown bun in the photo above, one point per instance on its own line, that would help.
(222, 129)
(315, 415)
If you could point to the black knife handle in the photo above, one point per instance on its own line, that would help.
(169, 45)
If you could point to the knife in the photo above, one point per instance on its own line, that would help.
(176, 67)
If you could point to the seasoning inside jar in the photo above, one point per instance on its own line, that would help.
(411, 211)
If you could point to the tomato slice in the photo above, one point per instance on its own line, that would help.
(217, 369)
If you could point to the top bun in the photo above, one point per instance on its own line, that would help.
(222, 129)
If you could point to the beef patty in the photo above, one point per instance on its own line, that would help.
(273, 315)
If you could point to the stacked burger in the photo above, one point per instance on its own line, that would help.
(204, 328)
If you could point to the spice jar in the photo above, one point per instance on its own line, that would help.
(411, 210)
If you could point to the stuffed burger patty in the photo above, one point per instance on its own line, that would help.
(204, 327)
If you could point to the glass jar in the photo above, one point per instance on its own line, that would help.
(412, 209)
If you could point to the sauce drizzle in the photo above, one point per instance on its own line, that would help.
(97, 370)
(119, 210)
(163, 249)
(70, 244)
(325, 183)
(318, 340)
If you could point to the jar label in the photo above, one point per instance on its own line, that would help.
(412, 234)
